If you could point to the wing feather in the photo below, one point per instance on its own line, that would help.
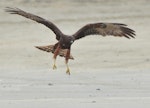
(104, 29)
(35, 18)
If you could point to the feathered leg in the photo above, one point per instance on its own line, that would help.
(67, 58)
(56, 52)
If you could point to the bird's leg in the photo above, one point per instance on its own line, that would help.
(67, 58)
(56, 52)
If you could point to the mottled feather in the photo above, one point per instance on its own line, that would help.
(105, 29)
(51, 48)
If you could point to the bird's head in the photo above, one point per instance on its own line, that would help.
(66, 41)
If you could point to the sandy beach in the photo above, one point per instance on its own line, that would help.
(108, 72)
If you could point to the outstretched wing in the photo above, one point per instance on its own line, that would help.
(104, 29)
(35, 18)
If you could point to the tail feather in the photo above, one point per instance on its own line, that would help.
(50, 48)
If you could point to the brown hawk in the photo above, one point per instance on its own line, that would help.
(63, 46)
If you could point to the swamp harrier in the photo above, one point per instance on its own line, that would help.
(63, 46)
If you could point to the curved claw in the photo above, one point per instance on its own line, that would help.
(54, 67)
(68, 71)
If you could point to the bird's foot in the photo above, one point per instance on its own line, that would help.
(68, 71)
(54, 67)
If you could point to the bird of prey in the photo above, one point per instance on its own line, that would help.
(63, 46)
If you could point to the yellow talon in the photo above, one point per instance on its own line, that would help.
(68, 71)
(54, 66)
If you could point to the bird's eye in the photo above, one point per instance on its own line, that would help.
(71, 41)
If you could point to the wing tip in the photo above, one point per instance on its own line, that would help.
(128, 33)
(12, 10)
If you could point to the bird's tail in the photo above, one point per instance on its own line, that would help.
(50, 48)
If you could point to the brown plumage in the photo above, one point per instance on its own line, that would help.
(50, 48)
(63, 46)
